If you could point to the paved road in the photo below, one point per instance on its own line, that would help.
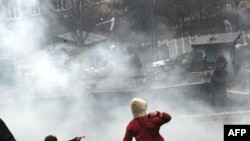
(194, 118)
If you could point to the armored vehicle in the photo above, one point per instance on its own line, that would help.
(197, 68)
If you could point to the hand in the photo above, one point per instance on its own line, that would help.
(78, 138)
(153, 113)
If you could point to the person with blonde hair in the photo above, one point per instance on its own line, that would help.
(143, 126)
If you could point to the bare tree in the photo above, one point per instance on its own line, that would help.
(80, 16)
(234, 3)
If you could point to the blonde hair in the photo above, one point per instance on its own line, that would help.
(138, 107)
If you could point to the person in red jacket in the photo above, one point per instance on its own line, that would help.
(145, 127)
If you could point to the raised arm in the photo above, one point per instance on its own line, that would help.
(78, 138)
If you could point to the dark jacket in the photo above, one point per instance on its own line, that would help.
(5, 134)
(221, 63)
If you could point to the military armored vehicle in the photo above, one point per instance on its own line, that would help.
(197, 68)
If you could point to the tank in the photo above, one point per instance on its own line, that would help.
(198, 68)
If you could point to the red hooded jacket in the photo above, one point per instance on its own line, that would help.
(146, 128)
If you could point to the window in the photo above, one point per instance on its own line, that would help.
(24, 8)
(12, 11)
(61, 4)
(36, 7)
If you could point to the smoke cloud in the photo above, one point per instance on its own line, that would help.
(51, 98)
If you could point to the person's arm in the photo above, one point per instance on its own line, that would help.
(77, 138)
(163, 115)
(128, 136)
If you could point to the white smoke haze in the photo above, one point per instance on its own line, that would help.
(244, 16)
(104, 116)
(48, 100)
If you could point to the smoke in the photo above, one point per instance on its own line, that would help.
(52, 97)
(243, 15)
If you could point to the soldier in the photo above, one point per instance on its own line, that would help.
(219, 80)
(221, 62)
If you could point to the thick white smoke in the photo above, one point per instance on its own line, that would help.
(47, 98)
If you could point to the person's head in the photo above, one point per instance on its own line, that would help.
(138, 107)
(50, 138)
(220, 54)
